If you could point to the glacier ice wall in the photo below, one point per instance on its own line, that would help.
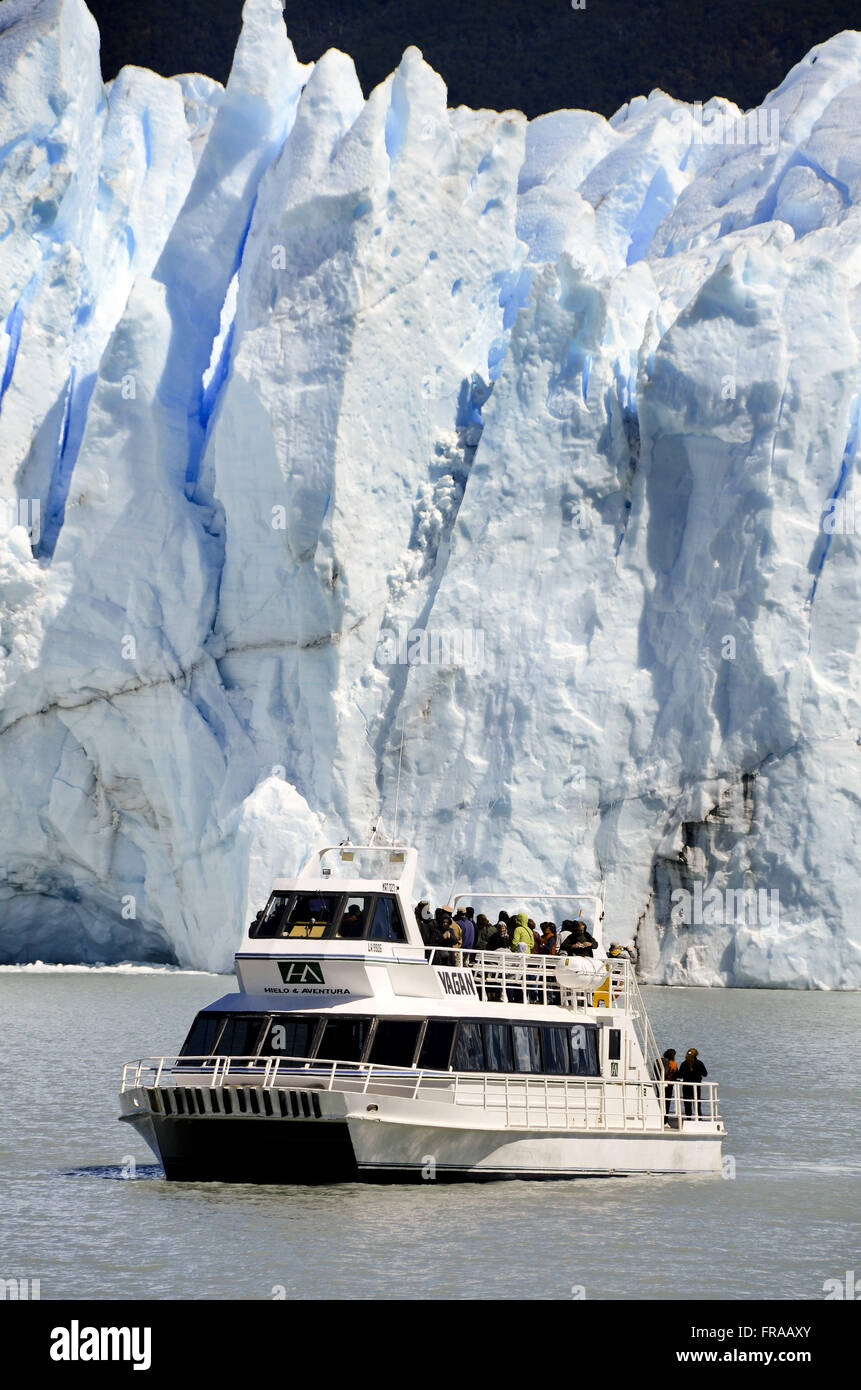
(347, 442)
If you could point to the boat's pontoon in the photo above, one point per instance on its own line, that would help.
(352, 1051)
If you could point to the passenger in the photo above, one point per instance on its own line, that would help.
(455, 926)
(691, 1070)
(424, 917)
(548, 942)
(351, 922)
(501, 939)
(468, 933)
(484, 930)
(444, 935)
(253, 929)
(578, 943)
(667, 1068)
(504, 917)
(467, 930)
(617, 952)
(522, 938)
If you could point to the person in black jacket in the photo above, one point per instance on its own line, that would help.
(578, 943)
(691, 1070)
(424, 919)
(442, 935)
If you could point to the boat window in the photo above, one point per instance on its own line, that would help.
(614, 1044)
(468, 1049)
(344, 1039)
(584, 1050)
(354, 918)
(241, 1034)
(310, 915)
(290, 1036)
(497, 1046)
(202, 1035)
(527, 1047)
(270, 923)
(395, 1042)
(554, 1048)
(386, 924)
(436, 1047)
(304, 915)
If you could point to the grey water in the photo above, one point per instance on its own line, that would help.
(781, 1222)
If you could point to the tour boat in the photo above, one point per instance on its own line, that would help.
(352, 1051)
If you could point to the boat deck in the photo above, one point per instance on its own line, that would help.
(246, 1086)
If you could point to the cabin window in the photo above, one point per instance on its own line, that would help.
(614, 1044)
(497, 1046)
(290, 1037)
(468, 1049)
(202, 1035)
(240, 1036)
(354, 919)
(386, 924)
(303, 916)
(527, 1047)
(584, 1050)
(395, 1042)
(436, 1046)
(269, 924)
(554, 1048)
(309, 916)
(344, 1039)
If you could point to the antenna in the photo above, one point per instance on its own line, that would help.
(398, 790)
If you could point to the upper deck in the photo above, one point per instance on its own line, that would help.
(355, 901)
(343, 898)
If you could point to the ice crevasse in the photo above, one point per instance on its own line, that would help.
(348, 437)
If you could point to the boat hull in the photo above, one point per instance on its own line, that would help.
(338, 1142)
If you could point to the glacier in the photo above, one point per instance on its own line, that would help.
(362, 457)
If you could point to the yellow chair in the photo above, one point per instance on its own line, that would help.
(601, 995)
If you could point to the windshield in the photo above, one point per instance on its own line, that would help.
(330, 916)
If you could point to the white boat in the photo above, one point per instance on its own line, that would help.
(354, 1052)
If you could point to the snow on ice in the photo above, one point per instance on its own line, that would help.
(331, 425)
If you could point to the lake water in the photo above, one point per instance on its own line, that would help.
(784, 1223)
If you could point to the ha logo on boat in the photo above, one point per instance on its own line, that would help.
(301, 972)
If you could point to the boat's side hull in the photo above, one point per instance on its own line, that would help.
(343, 1143)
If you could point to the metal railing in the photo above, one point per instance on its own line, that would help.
(531, 978)
(636, 1009)
(563, 1102)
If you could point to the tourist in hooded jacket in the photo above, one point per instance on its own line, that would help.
(522, 937)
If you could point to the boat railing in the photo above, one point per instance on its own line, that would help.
(532, 978)
(635, 1007)
(543, 1101)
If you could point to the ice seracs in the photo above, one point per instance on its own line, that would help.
(285, 368)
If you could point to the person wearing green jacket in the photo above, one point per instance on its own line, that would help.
(522, 933)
